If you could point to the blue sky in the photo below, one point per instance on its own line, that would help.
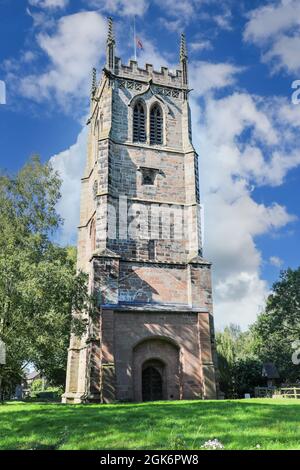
(243, 59)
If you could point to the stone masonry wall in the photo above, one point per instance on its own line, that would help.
(130, 329)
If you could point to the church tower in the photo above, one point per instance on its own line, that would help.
(140, 243)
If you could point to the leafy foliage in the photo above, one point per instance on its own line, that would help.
(269, 339)
(39, 288)
(278, 326)
(37, 385)
(239, 368)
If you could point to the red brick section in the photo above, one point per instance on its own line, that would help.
(207, 355)
(129, 340)
(107, 362)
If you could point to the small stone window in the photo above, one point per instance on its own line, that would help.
(139, 123)
(148, 176)
(156, 125)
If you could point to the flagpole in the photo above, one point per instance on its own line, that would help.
(134, 38)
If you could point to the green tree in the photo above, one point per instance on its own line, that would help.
(239, 368)
(278, 327)
(39, 287)
(226, 350)
(37, 385)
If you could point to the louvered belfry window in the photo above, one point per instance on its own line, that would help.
(139, 123)
(156, 125)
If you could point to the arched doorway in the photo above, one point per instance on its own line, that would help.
(152, 381)
(156, 370)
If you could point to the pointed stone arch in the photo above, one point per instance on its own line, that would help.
(139, 121)
(162, 354)
(156, 124)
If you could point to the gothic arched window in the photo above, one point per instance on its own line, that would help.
(139, 123)
(156, 125)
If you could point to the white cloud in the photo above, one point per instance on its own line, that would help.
(70, 165)
(73, 49)
(267, 21)
(276, 28)
(239, 298)
(207, 76)
(28, 56)
(289, 114)
(185, 9)
(41, 18)
(276, 261)
(285, 51)
(121, 7)
(200, 45)
(178, 16)
(224, 20)
(173, 25)
(49, 3)
(242, 142)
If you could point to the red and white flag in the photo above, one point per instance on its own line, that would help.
(139, 44)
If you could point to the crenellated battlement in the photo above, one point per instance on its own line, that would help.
(163, 77)
(177, 79)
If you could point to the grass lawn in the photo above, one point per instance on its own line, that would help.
(238, 424)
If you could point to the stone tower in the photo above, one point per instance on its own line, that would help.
(140, 242)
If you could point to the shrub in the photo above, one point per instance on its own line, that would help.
(49, 394)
